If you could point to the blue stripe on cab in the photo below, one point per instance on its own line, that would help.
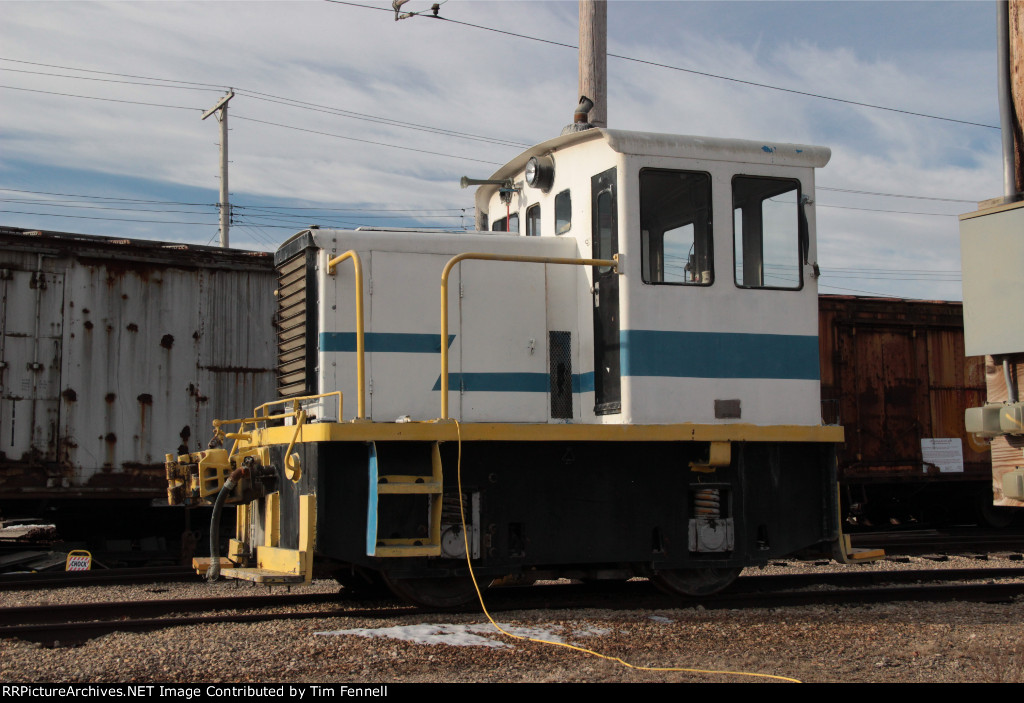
(496, 382)
(583, 382)
(718, 355)
(400, 342)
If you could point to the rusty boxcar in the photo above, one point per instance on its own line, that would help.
(112, 350)
(895, 372)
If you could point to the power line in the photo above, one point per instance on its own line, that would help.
(108, 219)
(895, 195)
(289, 102)
(366, 141)
(857, 290)
(91, 97)
(288, 216)
(50, 203)
(252, 119)
(895, 212)
(351, 209)
(707, 74)
(267, 97)
(105, 80)
(854, 270)
(111, 73)
(281, 209)
(105, 197)
(687, 70)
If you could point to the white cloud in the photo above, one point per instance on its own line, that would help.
(438, 73)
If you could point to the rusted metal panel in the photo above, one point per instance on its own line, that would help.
(898, 371)
(145, 346)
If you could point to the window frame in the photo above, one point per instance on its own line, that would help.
(504, 222)
(568, 223)
(799, 238)
(535, 208)
(644, 241)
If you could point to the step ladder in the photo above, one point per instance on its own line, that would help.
(381, 486)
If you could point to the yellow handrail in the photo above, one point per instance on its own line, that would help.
(297, 412)
(360, 343)
(295, 403)
(613, 262)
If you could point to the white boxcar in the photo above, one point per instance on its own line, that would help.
(113, 350)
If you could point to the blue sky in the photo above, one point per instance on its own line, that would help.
(93, 162)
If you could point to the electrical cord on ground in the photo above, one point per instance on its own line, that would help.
(565, 645)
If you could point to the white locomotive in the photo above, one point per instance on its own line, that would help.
(620, 377)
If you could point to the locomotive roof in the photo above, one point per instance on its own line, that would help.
(671, 145)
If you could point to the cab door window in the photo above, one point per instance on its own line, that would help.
(767, 235)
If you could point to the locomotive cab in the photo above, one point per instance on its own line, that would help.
(620, 377)
(711, 315)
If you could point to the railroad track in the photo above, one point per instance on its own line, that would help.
(98, 577)
(76, 623)
(956, 540)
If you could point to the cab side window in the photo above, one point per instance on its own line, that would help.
(767, 232)
(675, 227)
(533, 221)
(563, 212)
(502, 225)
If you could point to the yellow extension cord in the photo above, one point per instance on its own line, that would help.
(483, 606)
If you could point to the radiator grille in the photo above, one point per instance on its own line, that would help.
(296, 326)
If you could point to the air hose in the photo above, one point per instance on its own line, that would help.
(213, 573)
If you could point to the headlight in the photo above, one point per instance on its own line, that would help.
(540, 172)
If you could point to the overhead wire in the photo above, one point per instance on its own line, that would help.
(99, 207)
(113, 73)
(267, 97)
(236, 116)
(107, 219)
(682, 69)
(894, 195)
(289, 102)
(105, 80)
(93, 97)
(99, 197)
(353, 209)
(175, 83)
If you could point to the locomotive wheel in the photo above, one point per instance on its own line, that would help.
(995, 516)
(436, 593)
(695, 582)
(362, 583)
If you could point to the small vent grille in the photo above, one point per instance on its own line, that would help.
(295, 324)
(560, 373)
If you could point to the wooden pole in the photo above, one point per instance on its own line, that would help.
(1017, 85)
(221, 110)
(594, 58)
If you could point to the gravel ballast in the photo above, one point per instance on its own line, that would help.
(900, 642)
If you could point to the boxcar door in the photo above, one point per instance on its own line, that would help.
(607, 397)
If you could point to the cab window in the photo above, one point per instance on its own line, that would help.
(766, 232)
(563, 212)
(675, 227)
(533, 221)
(502, 224)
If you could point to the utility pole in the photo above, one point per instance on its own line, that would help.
(594, 58)
(225, 207)
(1016, 41)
